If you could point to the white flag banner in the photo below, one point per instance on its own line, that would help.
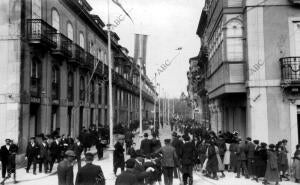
(140, 48)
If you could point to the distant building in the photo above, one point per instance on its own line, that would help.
(48, 52)
(252, 73)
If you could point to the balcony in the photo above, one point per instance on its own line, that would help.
(64, 46)
(35, 86)
(78, 54)
(290, 71)
(89, 62)
(40, 33)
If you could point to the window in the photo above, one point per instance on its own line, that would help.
(234, 41)
(81, 40)
(70, 87)
(55, 19)
(81, 88)
(92, 92)
(100, 95)
(55, 82)
(34, 69)
(35, 82)
(70, 32)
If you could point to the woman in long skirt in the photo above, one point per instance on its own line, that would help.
(220, 163)
(272, 173)
(226, 160)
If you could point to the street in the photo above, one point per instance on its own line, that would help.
(107, 167)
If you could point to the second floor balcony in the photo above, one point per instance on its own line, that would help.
(64, 46)
(290, 70)
(78, 54)
(40, 33)
(89, 61)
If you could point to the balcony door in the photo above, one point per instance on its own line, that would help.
(36, 9)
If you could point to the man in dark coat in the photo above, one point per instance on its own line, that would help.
(100, 146)
(260, 157)
(250, 148)
(11, 163)
(78, 149)
(4, 156)
(177, 144)
(169, 161)
(55, 152)
(32, 155)
(65, 169)
(44, 156)
(128, 177)
(155, 143)
(146, 145)
(119, 158)
(241, 160)
(90, 174)
(187, 160)
(212, 162)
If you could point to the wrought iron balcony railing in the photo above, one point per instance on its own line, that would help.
(78, 54)
(90, 60)
(40, 32)
(290, 70)
(64, 46)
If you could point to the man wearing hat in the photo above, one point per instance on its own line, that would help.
(32, 154)
(90, 174)
(146, 145)
(128, 177)
(4, 155)
(177, 144)
(119, 158)
(250, 148)
(65, 169)
(187, 161)
(169, 161)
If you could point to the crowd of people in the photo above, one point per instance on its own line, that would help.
(43, 151)
(197, 148)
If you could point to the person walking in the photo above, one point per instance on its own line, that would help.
(187, 161)
(155, 143)
(212, 161)
(44, 156)
(241, 160)
(4, 156)
(250, 148)
(100, 146)
(55, 152)
(169, 161)
(11, 163)
(65, 172)
(90, 174)
(272, 174)
(119, 158)
(146, 145)
(78, 149)
(32, 155)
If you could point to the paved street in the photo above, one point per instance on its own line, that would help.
(106, 164)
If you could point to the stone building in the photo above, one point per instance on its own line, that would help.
(49, 50)
(252, 72)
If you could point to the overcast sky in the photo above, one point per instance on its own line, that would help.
(170, 24)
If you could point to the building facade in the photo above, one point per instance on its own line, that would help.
(55, 71)
(252, 67)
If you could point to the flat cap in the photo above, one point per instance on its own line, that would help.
(70, 153)
(89, 156)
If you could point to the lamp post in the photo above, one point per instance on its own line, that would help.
(158, 104)
(154, 116)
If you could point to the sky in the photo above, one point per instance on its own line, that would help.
(170, 24)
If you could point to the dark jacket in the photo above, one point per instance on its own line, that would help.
(188, 154)
(155, 145)
(44, 151)
(127, 177)
(65, 173)
(146, 147)
(78, 149)
(119, 159)
(90, 175)
(32, 151)
(241, 155)
(4, 154)
(177, 144)
(55, 149)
